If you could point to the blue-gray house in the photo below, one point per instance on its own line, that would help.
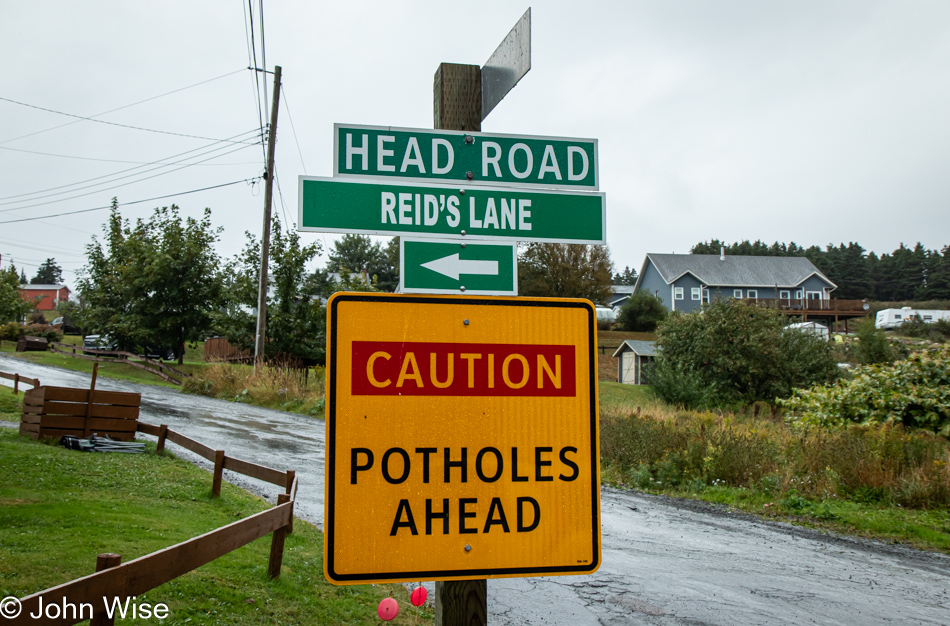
(685, 281)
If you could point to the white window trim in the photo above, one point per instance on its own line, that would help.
(678, 293)
(821, 296)
(752, 294)
(799, 295)
(784, 294)
(737, 294)
(696, 293)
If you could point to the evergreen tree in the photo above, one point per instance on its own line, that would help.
(626, 277)
(23, 280)
(49, 273)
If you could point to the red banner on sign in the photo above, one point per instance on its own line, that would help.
(396, 368)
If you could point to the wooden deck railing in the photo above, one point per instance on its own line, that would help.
(808, 306)
(114, 579)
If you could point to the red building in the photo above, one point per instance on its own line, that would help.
(50, 295)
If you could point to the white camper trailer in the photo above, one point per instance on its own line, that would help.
(893, 318)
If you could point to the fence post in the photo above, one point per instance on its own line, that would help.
(290, 485)
(105, 561)
(277, 542)
(218, 470)
(162, 433)
(16, 384)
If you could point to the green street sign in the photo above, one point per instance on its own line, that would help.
(375, 207)
(457, 266)
(467, 157)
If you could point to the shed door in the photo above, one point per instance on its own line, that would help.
(628, 364)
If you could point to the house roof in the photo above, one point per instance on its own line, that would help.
(643, 348)
(736, 270)
(42, 287)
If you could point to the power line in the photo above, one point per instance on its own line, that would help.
(82, 195)
(90, 119)
(283, 209)
(125, 106)
(158, 162)
(100, 208)
(257, 79)
(82, 158)
(260, 13)
(292, 127)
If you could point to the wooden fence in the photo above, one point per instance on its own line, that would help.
(220, 349)
(52, 412)
(125, 580)
(121, 356)
(17, 379)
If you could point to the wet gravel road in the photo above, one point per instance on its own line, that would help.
(665, 561)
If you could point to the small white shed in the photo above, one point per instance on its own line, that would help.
(631, 356)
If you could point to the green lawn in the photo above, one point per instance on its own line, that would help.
(60, 508)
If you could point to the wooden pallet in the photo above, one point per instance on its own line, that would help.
(58, 411)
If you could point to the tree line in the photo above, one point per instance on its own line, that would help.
(906, 274)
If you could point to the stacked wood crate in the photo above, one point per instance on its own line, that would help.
(57, 411)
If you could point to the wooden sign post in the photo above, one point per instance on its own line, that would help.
(457, 105)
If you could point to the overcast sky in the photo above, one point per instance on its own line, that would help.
(809, 121)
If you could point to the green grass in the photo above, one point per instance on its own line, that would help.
(60, 508)
(924, 529)
(10, 405)
(620, 396)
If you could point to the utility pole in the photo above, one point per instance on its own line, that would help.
(260, 336)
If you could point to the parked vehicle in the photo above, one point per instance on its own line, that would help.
(159, 353)
(893, 318)
(97, 343)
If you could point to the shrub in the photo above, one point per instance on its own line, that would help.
(11, 331)
(914, 393)
(872, 345)
(642, 313)
(937, 331)
(731, 353)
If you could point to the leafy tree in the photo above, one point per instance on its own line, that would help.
(738, 353)
(13, 308)
(357, 253)
(154, 282)
(627, 277)
(642, 313)
(561, 270)
(296, 319)
(49, 273)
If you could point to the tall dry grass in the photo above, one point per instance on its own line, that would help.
(663, 446)
(273, 386)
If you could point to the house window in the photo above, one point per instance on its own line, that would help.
(799, 295)
(785, 294)
(677, 293)
(696, 293)
(753, 293)
(737, 293)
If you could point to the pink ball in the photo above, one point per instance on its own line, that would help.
(388, 609)
(419, 595)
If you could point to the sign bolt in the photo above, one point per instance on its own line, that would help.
(463, 245)
(463, 233)
(468, 548)
(470, 175)
(461, 192)
(462, 288)
(469, 139)
(465, 322)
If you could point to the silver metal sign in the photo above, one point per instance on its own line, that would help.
(507, 64)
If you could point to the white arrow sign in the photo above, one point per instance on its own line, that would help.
(452, 266)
